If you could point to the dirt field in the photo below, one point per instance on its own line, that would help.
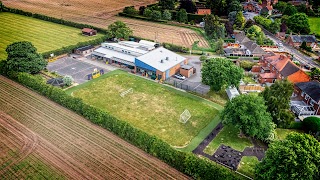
(101, 13)
(40, 136)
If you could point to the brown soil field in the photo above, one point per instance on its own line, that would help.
(101, 13)
(38, 129)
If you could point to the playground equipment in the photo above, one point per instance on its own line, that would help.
(52, 58)
(124, 93)
(185, 116)
(95, 74)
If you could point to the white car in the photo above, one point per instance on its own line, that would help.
(179, 76)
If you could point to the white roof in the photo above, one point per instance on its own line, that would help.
(120, 46)
(147, 43)
(129, 43)
(232, 93)
(154, 57)
(111, 53)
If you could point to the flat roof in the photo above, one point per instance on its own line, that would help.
(232, 93)
(111, 53)
(187, 67)
(121, 46)
(154, 57)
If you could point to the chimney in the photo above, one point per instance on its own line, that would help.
(167, 58)
(161, 61)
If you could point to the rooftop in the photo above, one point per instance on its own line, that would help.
(114, 54)
(302, 38)
(87, 30)
(268, 75)
(232, 93)
(312, 88)
(161, 59)
(298, 76)
(84, 48)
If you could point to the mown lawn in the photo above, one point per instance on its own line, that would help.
(314, 25)
(228, 136)
(247, 165)
(282, 133)
(45, 36)
(152, 107)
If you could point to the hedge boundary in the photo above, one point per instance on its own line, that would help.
(186, 162)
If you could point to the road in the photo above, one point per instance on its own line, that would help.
(298, 56)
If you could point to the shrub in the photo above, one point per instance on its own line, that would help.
(311, 124)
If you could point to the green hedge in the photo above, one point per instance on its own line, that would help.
(141, 17)
(175, 48)
(187, 163)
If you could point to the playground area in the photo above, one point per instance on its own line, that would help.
(149, 106)
(79, 70)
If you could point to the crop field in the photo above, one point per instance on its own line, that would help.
(102, 13)
(315, 25)
(45, 36)
(152, 107)
(42, 140)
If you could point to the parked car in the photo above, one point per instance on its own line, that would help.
(179, 76)
(307, 67)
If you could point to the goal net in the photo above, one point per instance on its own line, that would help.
(124, 93)
(185, 116)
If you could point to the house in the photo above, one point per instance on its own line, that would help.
(267, 10)
(143, 57)
(202, 9)
(277, 67)
(297, 40)
(89, 32)
(306, 98)
(84, 50)
(300, 2)
(251, 6)
(247, 47)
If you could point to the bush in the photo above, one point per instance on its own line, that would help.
(246, 65)
(175, 48)
(311, 124)
(130, 10)
(187, 163)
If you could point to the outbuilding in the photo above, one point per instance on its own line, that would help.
(89, 32)
(84, 50)
(186, 70)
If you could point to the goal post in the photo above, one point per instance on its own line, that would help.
(124, 93)
(185, 116)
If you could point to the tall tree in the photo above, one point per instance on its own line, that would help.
(234, 5)
(156, 15)
(239, 21)
(281, 6)
(277, 98)
(182, 16)
(188, 5)
(23, 57)
(218, 7)
(299, 23)
(119, 29)
(147, 12)
(167, 4)
(315, 74)
(1, 6)
(166, 15)
(249, 114)
(296, 157)
(213, 28)
(290, 10)
(219, 73)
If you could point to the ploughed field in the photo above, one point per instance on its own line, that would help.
(151, 107)
(102, 13)
(45, 36)
(42, 140)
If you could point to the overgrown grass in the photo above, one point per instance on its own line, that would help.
(247, 165)
(248, 79)
(219, 97)
(152, 107)
(45, 36)
(315, 25)
(283, 133)
(229, 136)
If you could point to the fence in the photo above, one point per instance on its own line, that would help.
(189, 86)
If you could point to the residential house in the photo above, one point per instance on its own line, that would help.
(267, 10)
(202, 9)
(251, 6)
(279, 67)
(297, 40)
(306, 98)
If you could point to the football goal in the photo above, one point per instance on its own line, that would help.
(124, 93)
(185, 116)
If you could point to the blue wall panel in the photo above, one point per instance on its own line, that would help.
(168, 73)
(143, 65)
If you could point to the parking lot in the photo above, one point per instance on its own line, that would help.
(78, 69)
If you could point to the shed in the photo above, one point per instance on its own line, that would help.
(232, 93)
(84, 49)
(88, 32)
(186, 70)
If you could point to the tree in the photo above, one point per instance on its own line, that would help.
(1, 6)
(281, 6)
(167, 4)
(156, 15)
(277, 98)
(213, 28)
(315, 74)
(67, 80)
(246, 65)
(219, 46)
(255, 33)
(166, 15)
(311, 124)
(239, 21)
(249, 114)
(141, 10)
(147, 12)
(130, 10)
(275, 26)
(182, 16)
(119, 29)
(219, 73)
(296, 157)
(23, 57)
(188, 5)
(218, 7)
(232, 16)
(234, 5)
(299, 23)
(290, 10)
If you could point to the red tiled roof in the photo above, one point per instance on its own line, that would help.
(299, 76)
(87, 30)
(268, 75)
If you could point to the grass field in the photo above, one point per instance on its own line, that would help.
(45, 36)
(282, 133)
(315, 25)
(152, 107)
(229, 137)
(247, 165)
